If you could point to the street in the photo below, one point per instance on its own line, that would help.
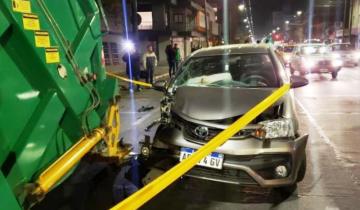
(329, 112)
(180, 105)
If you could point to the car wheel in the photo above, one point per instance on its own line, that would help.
(302, 170)
(334, 74)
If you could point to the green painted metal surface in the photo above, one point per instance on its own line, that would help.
(42, 114)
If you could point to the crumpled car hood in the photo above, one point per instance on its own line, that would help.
(211, 103)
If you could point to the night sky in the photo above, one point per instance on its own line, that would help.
(262, 12)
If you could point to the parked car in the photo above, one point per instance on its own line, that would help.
(212, 89)
(287, 53)
(314, 58)
(346, 53)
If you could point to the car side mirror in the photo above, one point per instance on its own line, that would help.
(298, 81)
(160, 85)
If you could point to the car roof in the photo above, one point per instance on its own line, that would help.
(232, 49)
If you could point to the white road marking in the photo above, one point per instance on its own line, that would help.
(129, 112)
(145, 117)
(335, 113)
(328, 96)
(321, 132)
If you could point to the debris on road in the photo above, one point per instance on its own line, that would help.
(145, 108)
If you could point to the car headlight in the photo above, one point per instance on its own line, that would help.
(309, 50)
(279, 128)
(357, 55)
(323, 50)
(337, 63)
(287, 58)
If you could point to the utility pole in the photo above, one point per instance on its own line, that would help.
(134, 20)
(350, 19)
(206, 24)
(225, 22)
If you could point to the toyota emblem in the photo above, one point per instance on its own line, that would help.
(201, 131)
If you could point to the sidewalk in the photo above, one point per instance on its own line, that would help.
(161, 72)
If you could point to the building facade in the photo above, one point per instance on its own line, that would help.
(158, 24)
(355, 23)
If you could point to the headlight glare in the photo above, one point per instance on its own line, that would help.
(287, 57)
(308, 63)
(337, 63)
(335, 55)
(357, 55)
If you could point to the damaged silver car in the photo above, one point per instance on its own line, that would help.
(213, 88)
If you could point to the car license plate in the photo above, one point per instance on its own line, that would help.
(323, 70)
(214, 160)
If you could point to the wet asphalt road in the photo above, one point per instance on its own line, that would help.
(329, 110)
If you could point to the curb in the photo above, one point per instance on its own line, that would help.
(161, 76)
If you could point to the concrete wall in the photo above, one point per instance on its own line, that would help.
(163, 41)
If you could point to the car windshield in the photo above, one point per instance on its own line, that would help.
(314, 49)
(288, 49)
(245, 70)
(341, 47)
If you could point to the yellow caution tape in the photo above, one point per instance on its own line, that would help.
(140, 197)
(129, 80)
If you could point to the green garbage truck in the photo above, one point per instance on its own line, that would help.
(54, 95)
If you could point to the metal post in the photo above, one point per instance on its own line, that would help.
(350, 19)
(134, 20)
(225, 22)
(344, 19)
(206, 25)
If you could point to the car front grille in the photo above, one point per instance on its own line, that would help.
(189, 132)
(188, 129)
(224, 175)
(324, 63)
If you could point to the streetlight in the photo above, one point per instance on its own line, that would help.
(287, 22)
(241, 7)
(273, 31)
(245, 20)
(299, 13)
(278, 28)
(247, 26)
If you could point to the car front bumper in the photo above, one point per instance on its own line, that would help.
(246, 162)
(320, 69)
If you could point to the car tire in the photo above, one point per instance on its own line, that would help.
(334, 74)
(302, 170)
